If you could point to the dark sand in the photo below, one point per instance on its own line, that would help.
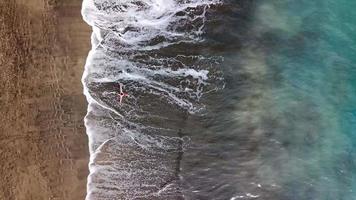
(43, 146)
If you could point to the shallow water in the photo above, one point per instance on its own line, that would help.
(228, 100)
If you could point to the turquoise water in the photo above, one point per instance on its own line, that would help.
(288, 108)
(310, 65)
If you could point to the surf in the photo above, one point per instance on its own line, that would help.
(133, 150)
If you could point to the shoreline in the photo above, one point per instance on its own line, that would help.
(43, 48)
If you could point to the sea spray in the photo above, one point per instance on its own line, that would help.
(135, 147)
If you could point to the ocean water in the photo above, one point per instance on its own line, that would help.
(227, 99)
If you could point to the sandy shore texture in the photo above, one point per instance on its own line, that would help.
(43, 146)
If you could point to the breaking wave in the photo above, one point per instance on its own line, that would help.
(151, 48)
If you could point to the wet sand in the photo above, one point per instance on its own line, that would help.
(43, 145)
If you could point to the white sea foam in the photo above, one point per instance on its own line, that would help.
(132, 23)
(130, 159)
